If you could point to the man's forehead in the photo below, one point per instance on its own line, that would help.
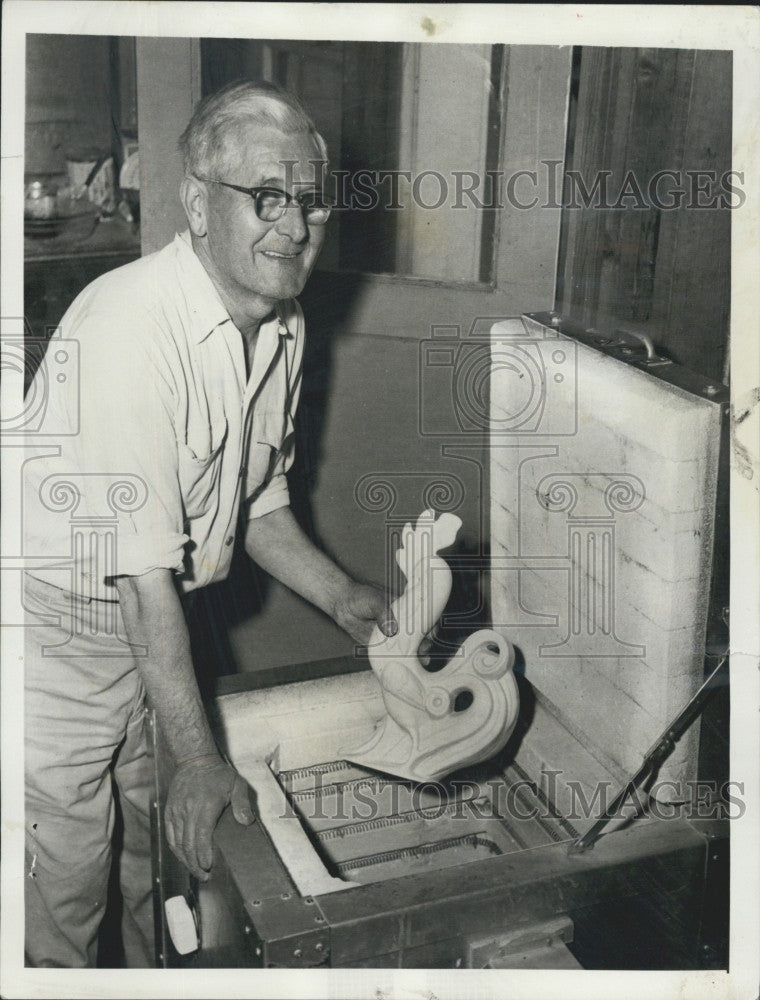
(269, 156)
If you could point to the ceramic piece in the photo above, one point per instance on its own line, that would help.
(427, 732)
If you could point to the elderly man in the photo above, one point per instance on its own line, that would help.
(190, 375)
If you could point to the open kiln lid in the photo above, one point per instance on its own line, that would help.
(604, 463)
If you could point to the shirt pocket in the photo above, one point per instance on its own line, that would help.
(199, 475)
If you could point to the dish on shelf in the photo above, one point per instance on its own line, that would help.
(43, 227)
(70, 214)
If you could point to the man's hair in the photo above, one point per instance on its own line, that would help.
(217, 118)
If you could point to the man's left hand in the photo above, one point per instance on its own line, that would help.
(361, 608)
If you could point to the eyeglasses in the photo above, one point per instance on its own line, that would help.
(271, 203)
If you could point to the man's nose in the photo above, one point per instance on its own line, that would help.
(292, 224)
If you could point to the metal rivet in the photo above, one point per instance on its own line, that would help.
(257, 902)
(712, 390)
(319, 920)
(318, 946)
(308, 900)
(297, 953)
(247, 929)
(285, 895)
(258, 950)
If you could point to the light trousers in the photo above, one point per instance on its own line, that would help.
(85, 729)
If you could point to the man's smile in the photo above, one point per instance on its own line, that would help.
(281, 256)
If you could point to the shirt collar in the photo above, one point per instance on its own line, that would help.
(206, 307)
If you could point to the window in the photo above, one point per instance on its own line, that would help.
(410, 146)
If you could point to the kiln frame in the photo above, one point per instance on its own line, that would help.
(650, 896)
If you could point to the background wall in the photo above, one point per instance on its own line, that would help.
(67, 102)
(78, 89)
(360, 410)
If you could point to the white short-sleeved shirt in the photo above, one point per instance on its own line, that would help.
(162, 407)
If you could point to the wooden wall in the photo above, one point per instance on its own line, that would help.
(664, 272)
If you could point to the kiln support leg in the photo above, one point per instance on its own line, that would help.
(542, 945)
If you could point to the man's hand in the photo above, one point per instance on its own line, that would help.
(198, 794)
(360, 607)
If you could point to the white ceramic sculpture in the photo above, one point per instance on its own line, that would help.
(424, 736)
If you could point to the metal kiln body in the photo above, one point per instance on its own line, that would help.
(610, 612)
(644, 897)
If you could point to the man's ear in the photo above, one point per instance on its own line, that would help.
(194, 195)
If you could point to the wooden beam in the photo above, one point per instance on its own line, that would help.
(168, 88)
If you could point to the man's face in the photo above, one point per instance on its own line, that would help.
(253, 263)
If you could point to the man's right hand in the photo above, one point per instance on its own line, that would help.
(198, 794)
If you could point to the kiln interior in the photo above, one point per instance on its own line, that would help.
(336, 825)
(367, 827)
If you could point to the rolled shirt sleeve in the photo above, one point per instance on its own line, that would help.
(274, 495)
(270, 457)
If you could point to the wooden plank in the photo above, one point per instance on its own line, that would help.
(695, 329)
(169, 67)
(538, 87)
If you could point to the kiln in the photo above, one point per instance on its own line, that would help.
(601, 550)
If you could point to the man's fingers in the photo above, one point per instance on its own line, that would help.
(175, 844)
(241, 803)
(389, 627)
(377, 607)
(387, 622)
(189, 847)
(426, 648)
(171, 836)
(423, 653)
(175, 831)
(204, 852)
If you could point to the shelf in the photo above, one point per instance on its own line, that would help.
(85, 237)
